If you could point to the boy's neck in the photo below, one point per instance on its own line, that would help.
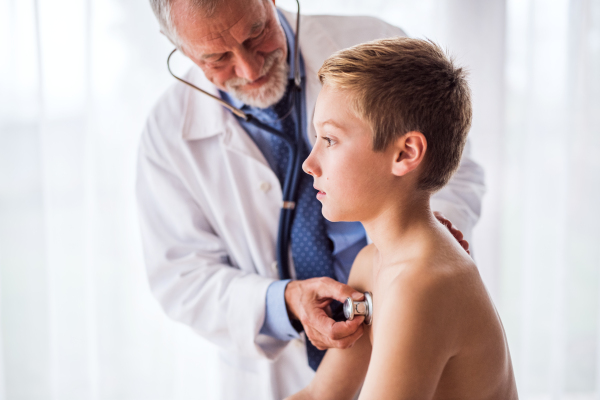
(399, 231)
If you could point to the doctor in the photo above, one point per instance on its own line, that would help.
(209, 193)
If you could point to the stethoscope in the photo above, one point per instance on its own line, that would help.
(292, 176)
(354, 308)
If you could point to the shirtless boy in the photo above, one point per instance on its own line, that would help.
(392, 120)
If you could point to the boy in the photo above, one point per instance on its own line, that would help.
(392, 120)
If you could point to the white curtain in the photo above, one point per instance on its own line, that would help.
(77, 79)
(551, 191)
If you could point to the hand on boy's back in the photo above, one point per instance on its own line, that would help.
(455, 232)
(308, 301)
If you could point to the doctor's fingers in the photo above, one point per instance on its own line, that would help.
(335, 331)
(345, 342)
(349, 341)
(324, 331)
(344, 329)
(330, 288)
(465, 245)
(458, 235)
(446, 222)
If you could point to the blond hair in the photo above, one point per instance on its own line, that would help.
(399, 85)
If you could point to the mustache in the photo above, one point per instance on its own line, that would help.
(270, 60)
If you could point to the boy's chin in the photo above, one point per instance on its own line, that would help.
(333, 216)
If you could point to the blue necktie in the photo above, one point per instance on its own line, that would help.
(311, 247)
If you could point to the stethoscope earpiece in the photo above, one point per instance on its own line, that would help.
(353, 308)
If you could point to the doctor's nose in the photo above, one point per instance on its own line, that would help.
(249, 65)
(310, 166)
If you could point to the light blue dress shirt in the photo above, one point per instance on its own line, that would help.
(348, 237)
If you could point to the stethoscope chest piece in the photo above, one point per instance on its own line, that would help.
(353, 308)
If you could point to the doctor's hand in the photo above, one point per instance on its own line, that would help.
(308, 301)
(455, 232)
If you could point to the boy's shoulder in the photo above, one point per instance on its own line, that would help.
(434, 278)
(432, 295)
(437, 274)
(361, 274)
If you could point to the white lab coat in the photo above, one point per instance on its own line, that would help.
(209, 207)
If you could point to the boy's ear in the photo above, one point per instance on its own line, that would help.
(409, 151)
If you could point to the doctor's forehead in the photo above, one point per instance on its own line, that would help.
(231, 20)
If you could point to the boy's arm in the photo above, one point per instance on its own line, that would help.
(416, 340)
(342, 372)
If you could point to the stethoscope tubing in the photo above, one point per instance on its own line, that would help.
(286, 217)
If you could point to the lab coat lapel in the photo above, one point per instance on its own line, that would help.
(217, 120)
(236, 139)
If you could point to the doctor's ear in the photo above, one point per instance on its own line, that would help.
(409, 151)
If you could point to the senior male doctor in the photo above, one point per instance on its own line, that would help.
(209, 192)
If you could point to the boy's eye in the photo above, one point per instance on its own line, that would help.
(328, 140)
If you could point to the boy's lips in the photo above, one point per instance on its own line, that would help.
(321, 193)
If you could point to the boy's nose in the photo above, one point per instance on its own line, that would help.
(310, 166)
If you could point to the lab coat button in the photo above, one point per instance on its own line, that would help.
(274, 266)
(265, 186)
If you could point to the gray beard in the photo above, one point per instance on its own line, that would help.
(271, 91)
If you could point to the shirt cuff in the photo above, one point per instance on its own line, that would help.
(277, 322)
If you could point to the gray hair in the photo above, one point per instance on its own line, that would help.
(162, 11)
